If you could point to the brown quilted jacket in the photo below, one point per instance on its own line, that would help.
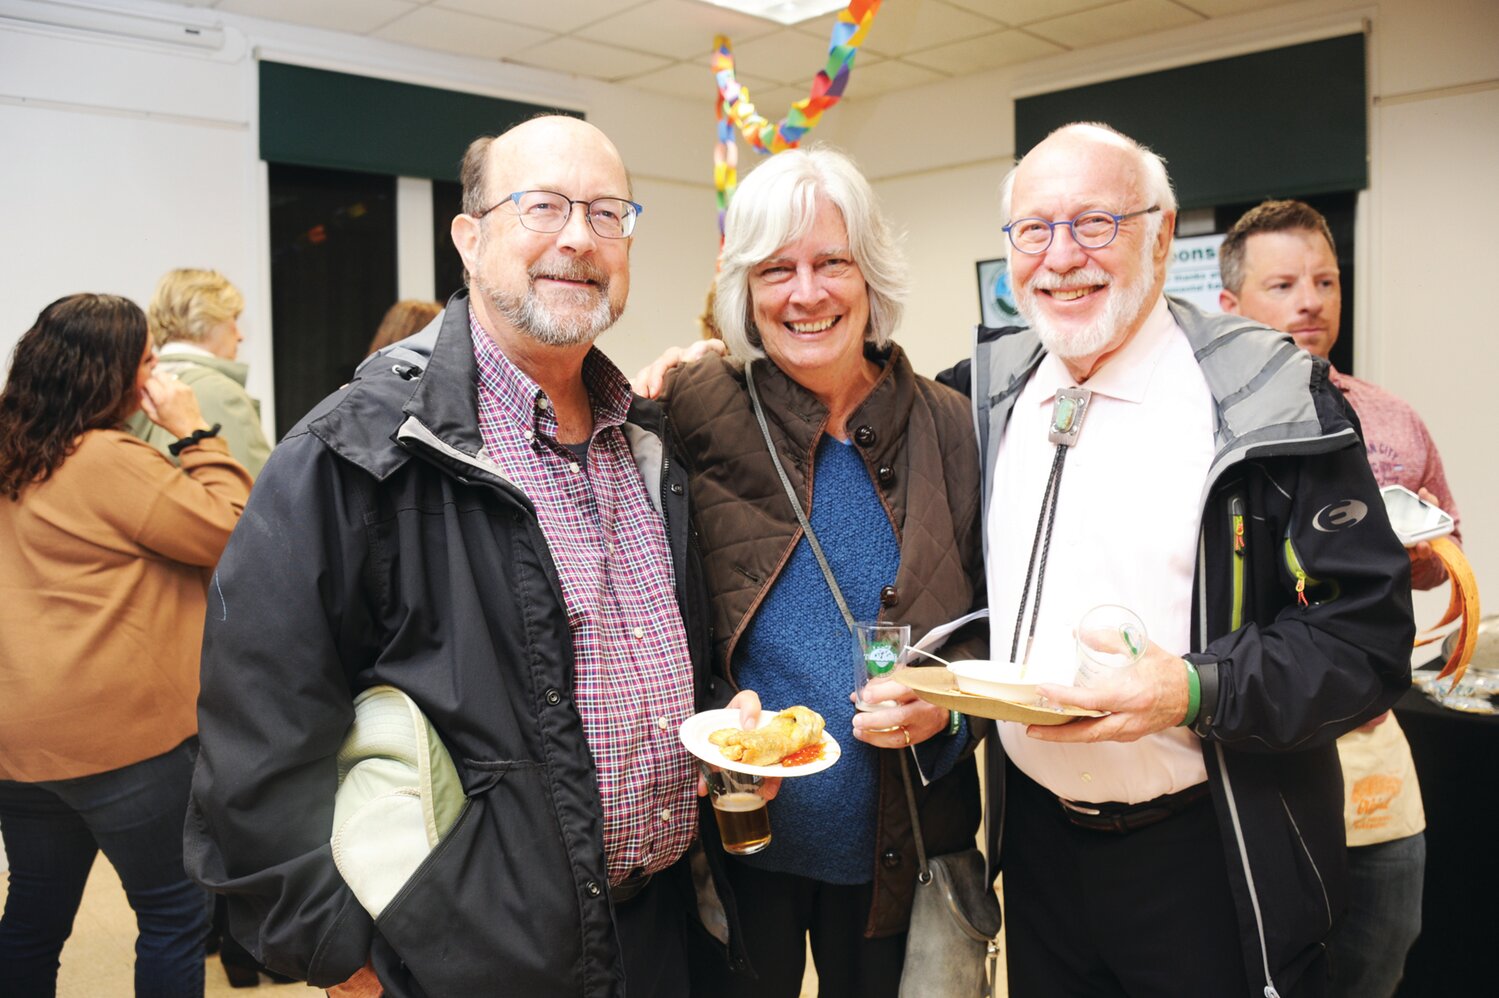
(917, 440)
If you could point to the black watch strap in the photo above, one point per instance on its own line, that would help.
(194, 438)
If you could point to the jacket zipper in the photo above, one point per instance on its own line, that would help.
(1254, 895)
(1293, 563)
(1236, 520)
(1326, 904)
(1233, 804)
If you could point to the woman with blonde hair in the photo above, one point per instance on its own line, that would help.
(194, 317)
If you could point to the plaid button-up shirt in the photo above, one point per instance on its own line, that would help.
(633, 674)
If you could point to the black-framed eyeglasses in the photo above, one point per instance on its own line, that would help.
(548, 211)
(1090, 230)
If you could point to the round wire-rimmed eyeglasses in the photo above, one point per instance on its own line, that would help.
(1090, 230)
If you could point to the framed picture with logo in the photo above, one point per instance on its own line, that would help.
(996, 301)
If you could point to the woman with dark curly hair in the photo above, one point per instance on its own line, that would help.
(105, 549)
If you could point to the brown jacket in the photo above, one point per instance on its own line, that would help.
(917, 441)
(102, 574)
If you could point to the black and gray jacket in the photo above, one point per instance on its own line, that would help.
(381, 545)
(1302, 622)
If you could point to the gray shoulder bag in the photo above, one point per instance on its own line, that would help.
(951, 950)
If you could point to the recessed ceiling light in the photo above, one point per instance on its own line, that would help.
(783, 11)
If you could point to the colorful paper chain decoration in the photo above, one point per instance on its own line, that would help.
(735, 109)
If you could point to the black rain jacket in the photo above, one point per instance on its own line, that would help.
(381, 546)
(1302, 624)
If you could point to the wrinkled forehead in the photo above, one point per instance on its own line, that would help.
(1062, 177)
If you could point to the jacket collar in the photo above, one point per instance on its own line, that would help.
(446, 400)
(179, 359)
(1269, 396)
(801, 417)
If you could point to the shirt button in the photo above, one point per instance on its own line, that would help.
(530, 435)
(864, 436)
(886, 474)
(888, 596)
(639, 632)
(666, 814)
(663, 723)
(1087, 777)
(542, 403)
(553, 697)
(593, 888)
(573, 467)
(890, 858)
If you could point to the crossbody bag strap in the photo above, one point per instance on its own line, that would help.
(925, 874)
(801, 515)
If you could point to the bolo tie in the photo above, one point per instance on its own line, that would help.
(1067, 412)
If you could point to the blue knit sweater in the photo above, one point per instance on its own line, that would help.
(797, 650)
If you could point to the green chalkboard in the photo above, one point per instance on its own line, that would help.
(314, 117)
(1291, 119)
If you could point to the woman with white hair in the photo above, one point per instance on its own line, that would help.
(194, 317)
(884, 464)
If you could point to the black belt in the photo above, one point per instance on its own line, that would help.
(629, 888)
(1125, 818)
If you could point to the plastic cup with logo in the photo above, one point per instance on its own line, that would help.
(1109, 638)
(743, 820)
(881, 650)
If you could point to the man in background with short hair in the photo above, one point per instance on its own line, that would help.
(1280, 267)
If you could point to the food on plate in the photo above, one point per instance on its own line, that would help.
(792, 730)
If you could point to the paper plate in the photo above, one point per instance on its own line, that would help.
(695, 730)
(935, 684)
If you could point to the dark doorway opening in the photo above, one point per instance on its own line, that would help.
(333, 275)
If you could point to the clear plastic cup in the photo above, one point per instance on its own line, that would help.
(1109, 638)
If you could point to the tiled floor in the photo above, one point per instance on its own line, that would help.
(99, 959)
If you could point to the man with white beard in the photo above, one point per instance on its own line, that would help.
(1199, 470)
(486, 520)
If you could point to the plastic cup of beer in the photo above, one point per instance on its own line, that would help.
(1109, 638)
(881, 650)
(743, 820)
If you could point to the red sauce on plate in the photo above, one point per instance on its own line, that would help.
(803, 756)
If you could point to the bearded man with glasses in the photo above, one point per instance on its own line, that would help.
(488, 521)
(1202, 471)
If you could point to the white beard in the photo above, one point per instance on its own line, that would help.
(529, 314)
(1123, 308)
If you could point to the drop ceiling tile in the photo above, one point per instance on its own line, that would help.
(462, 34)
(585, 58)
(1003, 48)
(676, 28)
(787, 56)
(1017, 12)
(358, 17)
(1129, 19)
(909, 25)
(560, 16)
(883, 77)
(692, 80)
(1227, 8)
